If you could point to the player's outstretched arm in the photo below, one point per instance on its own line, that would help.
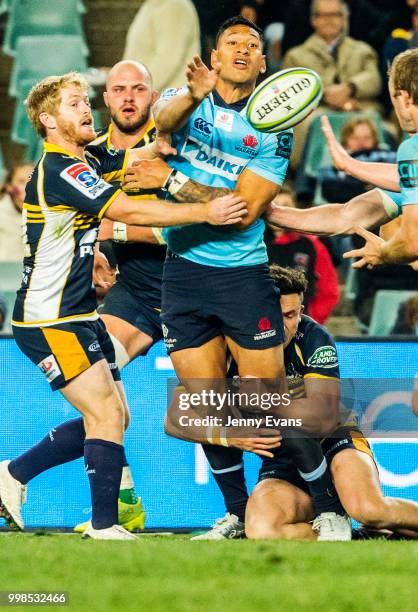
(171, 115)
(381, 175)
(368, 209)
(402, 248)
(220, 211)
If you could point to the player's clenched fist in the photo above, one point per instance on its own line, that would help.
(200, 80)
(226, 210)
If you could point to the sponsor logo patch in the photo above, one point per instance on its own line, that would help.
(85, 180)
(408, 172)
(284, 145)
(94, 346)
(323, 357)
(224, 121)
(266, 331)
(203, 126)
(50, 368)
(250, 141)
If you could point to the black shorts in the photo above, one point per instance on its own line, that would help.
(201, 302)
(123, 303)
(282, 467)
(65, 350)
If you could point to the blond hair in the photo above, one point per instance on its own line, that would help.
(348, 129)
(404, 74)
(45, 97)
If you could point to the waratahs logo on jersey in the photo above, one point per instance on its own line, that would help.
(249, 145)
(250, 141)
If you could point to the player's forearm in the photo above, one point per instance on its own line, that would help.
(399, 249)
(193, 191)
(161, 214)
(322, 220)
(172, 115)
(381, 175)
(318, 414)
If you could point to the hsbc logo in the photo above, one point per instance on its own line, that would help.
(203, 126)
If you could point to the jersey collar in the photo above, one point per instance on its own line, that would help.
(53, 148)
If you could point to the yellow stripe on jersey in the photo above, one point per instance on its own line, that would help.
(299, 353)
(117, 175)
(108, 203)
(312, 375)
(66, 348)
(88, 316)
(53, 148)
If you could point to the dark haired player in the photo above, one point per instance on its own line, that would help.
(216, 285)
(280, 506)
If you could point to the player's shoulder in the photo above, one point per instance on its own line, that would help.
(312, 335)
(408, 149)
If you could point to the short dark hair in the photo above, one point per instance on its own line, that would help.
(238, 20)
(288, 280)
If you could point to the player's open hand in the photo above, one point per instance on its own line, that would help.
(370, 254)
(226, 210)
(340, 157)
(104, 275)
(146, 174)
(200, 80)
(259, 446)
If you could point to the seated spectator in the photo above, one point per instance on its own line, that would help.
(407, 319)
(12, 197)
(164, 36)
(348, 67)
(307, 253)
(399, 40)
(359, 137)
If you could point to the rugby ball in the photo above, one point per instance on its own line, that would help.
(284, 99)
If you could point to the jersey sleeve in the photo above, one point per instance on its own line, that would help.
(273, 158)
(74, 184)
(392, 202)
(408, 171)
(319, 353)
(173, 92)
(112, 162)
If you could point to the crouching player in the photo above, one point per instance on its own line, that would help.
(280, 505)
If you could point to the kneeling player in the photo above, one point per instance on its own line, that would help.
(280, 505)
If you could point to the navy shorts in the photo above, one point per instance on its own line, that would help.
(201, 302)
(123, 303)
(65, 350)
(281, 467)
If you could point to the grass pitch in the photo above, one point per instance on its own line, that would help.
(164, 574)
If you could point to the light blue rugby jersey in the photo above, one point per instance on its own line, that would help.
(213, 148)
(408, 170)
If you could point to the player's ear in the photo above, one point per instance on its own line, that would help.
(106, 99)
(263, 67)
(214, 57)
(48, 121)
(154, 96)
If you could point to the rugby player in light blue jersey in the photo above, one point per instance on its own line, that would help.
(216, 285)
(401, 177)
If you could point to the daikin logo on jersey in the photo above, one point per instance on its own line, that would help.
(202, 156)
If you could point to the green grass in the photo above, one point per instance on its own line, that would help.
(165, 574)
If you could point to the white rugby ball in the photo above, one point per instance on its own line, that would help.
(284, 99)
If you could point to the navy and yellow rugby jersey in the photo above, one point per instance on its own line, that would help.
(65, 200)
(310, 354)
(140, 264)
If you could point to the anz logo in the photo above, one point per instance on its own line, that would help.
(203, 126)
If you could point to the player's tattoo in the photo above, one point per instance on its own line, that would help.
(192, 191)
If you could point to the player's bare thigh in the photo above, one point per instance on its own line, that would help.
(94, 393)
(279, 510)
(259, 363)
(207, 361)
(133, 340)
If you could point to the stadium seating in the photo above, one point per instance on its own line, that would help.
(317, 154)
(21, 126)
(385, 310)
(40, 56)
(2, 167)
(42, 17)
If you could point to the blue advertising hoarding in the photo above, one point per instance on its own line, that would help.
(172, 476)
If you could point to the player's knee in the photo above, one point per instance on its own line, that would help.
(109, 415)
(368, 512)
(260, 530)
